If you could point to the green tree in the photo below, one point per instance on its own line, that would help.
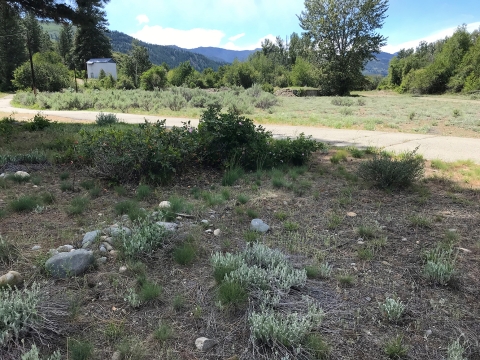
(34, 31)
(12, 45)
(303, 74)
(65, 43)
(136, 63)
(179, 75)
(155, 77)
(90, 39)
(50, 73)
(344, 38)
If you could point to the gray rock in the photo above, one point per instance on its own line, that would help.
(205, 222)
(116, 231)
(116, 355)
(204, 344)
(89, 238)
(107, 246)
(52, 252)
(12, 278)
(168, 225)
(165, 205)
(68, 264)
(64, 248)
(259, 225)
(2, 175)
(36, 247)
(102, 249)
(217, 232)
(22, 174)
(102, 260)
(125, 218)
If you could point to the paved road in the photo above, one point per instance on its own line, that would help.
(447, 148)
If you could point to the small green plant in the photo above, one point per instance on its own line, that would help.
(66, 186)
(290, 226)
(367, 231)
(35, 179)
(77, 205)
(395, 349)
(24, 203)
(143, 192)
(420, 221)
(340, 155)
(232, 293)
(64, 175)
(212, 199)
(18, 178)
(47, 198)
(346, 280)
(87, 184)
(126, 207)
(392, 309)
(114, 331)
(455, 351)
(440, 265)
(411, 116)
(149, 291)
(242, 199)
(334, 221)
(163, 332)
(251, 236)
(356, 153)
(106, 119)
(33, 354)
(8, 251)
(232, 175)
(226, 194)
(80, 350)
(317, 347)
(178, 302)
(280, 215)
(252, 214)
(94, 192)
(120, 190)
(392, 173)
(145, 238)
(279, 182)
(38, 123)
(184, 254)
(456, 113)
(365, 253)
(132, 298)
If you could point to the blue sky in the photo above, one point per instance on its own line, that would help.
(243, 24)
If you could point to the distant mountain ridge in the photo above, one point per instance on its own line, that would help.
(224, 55)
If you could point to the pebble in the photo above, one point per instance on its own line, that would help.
(205, 222)
(208, 231)
(36, 247)
(102, 249)
(107, 246)
(102, 260)
(217, 232)
(204, 344)
(64, 248)
(360, 242)
(122, 269)
(165, 205)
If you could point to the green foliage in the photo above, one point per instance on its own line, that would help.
(50, 73)
(242, 199)
(395, 349)
(340, 155)
(80, 350)
(18, 312)
(232, 293)
(440, 265)
(149, 291)
(392, 309)
(78, 205)
(106, 119)
(392, 173)
(455, 351)
(163, 332)
(38, 123)
(146, 237)
(8, 251)
(184, 254)
(154, 78)
(143, 192)
(24, 203)
(317, 347)
(231, 175)
(33, 354)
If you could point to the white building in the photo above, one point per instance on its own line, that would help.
(95, 65)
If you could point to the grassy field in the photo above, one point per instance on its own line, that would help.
(367, 254)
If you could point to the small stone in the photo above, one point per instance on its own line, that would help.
(351, 214)
(36, 247)
(107, 246)
(212, 216)
(12, 278)
(116, 231)
(125, 218)
(52, 252)
(122, 269)
(113, 252)
(360, 242)
(368, 298)
(102, 249)
(22, 174)
(259, 225)
(64, 248)
(386, 263)
(108, 240)
(89, 238)
(102, 260)
(465, 250)
(35, 186)
(169, 226)
(217, 232)
(404, 239)
(205, 222)
(428, 333)
(208, 231)
(165, 205)
(179, 218)
(116, 355)
(204, 344)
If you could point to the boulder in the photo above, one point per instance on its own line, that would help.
(68, 264)
(22, 174)
(204, 344)
(169, 226)
(89, 238)
(12, 278)
(259, 225)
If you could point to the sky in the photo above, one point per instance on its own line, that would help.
(244, 24)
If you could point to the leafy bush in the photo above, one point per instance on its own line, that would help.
(386, 172)
(106, 119)
(150, 152)
(80, 350)
(8, 251)
(392, 309)
(38, 123)
(33, 354)
(154, 78)
(232, 175)
(395, 349)
(18, 312)
(24, 203)
(232, 293)
(145, 238)
(184, 254)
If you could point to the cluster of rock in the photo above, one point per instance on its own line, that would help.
(19, 173)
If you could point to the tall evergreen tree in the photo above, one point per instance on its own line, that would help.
(90, 39)
(65, 43)
(12, 44)
(46, 43)
(34, 32)
(136, 63)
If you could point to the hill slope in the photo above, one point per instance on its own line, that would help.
(379, 66)
(223, 55)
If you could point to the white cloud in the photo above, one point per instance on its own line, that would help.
(183, 38)
(231, 46)
(236, 37)
(390, 48)
(142, 19)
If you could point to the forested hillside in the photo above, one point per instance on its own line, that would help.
(451, 64)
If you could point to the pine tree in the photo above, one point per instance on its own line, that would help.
(90, 39)
(34, 31)
(12, 44)
(136, 63)
(65, 44)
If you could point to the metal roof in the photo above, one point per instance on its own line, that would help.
(103, 60)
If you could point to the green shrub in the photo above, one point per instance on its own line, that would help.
(126, 207)
(33, 354)
(149, 291)
(290, 226)
(8, 251)
(18, 312)
(120, 190)
(94, 192)
(106, 119)
(184, 254)
(80, 350)
(77, 205)
(392, 173)
(341, 101)
(317, 347)
(232, 175)
(146, 237)
(242, 199)
(66, 186)
(232, 293)
(392, 309)
(87, 184)
(18, 178)
(64, 175)
(163, 332)
(455, 351)
(24, 203)
(143, 192)
(7, 129)
(340, 155)
(47, 198)
(38, 123)
(395, 348)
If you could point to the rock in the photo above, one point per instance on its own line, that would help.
(204, 222)
(125, 218)
(2, 175)
(116, 231)
(108, 240)
(102, 260)
(351, 214)
(204, 344)
(12, 278)
(107, 246)
(465, 250)
(89, 238)
(68, 264)
(36, 247)
(217, 232)
(235, 357)
(102, 249)
(52, 252)
(122, 269)
(117, 355)
(22, 174)
(259, 225)
(64, 248)
(165, 205)
(168, 225)
(208, 231)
